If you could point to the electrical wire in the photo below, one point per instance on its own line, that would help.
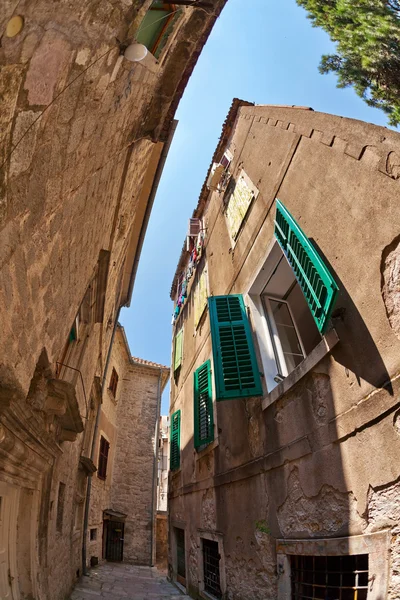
(7, 158)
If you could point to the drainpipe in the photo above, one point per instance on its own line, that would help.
(92, 451)
(155, 469)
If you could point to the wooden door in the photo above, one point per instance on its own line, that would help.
(8, 529)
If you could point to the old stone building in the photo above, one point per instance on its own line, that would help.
(84, 135)
(162, 493)
(284, 410)
(123, 497)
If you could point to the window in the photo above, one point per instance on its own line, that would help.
(113, 382)
(157, 26)
(180, 555)
(291, 299)
(329, 577)
(240, 195)
(203, 406)
(236, 371)
(211, 572)
(316, 282)
(178, 350)
(200, 296)
(93, 535)
(175, 456)
(60, 506)
(103, 458)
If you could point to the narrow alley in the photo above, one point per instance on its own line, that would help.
(122, 581)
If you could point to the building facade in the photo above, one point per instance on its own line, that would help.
(123, 509)
(284, 409)
(162, 480)
(84, 136)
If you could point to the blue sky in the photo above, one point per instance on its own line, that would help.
(261, 51)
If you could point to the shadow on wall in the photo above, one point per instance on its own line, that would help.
(357, 351)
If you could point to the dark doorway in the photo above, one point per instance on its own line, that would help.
(180, 556)
(114, 540)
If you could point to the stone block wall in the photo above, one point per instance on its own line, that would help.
(80, 131)
(314, 459)
(162, 540)
(133, 484)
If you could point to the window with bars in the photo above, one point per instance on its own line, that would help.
(175, 452)
(203, 406)
(211, 571)
(236, 372)
(113, 382)
(103, 458)
(329, 577)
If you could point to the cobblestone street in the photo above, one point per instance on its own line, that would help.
(125, 582)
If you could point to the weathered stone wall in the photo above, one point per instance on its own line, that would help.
(133, 484)
(100, 498)
(305, 464)
(81, 133)
(162, 540)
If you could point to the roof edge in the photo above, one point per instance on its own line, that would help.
(198, 211)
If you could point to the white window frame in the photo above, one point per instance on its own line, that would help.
(275, 339)
(376, 545)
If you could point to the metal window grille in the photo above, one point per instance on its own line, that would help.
(211, 568)
(103, 458)
(329, 577)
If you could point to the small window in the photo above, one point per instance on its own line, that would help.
(329, 577)
(292, 299)
(93, 535)
(236, 372)
(113, 382)
(240, 195)
(157, 26)
(200, 295)
(211, 568)
(60, 507)
(175, 457)
(180, 555)
(178, 350)
(103, 458)
(203, 407)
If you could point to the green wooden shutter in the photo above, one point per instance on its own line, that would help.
(178, 349)
(318, 285)
(175, 450)
(235, 365)
(203, 408)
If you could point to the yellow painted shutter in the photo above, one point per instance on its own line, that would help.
(200, 297)
(238, 206)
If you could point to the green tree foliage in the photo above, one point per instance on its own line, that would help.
(367, 34)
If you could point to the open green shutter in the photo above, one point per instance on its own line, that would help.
(235, 364)
(175, 450)
(316, 282)
(203, 408)
(178, 349)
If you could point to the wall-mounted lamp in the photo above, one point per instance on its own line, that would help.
(135, 52)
